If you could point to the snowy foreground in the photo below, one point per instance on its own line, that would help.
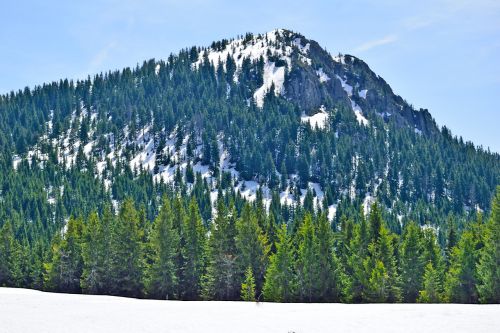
(24, 310)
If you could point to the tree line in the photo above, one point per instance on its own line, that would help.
(248, 255)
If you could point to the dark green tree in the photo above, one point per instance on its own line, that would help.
(127, 253)
(193, 253)
(160, 275)
(280, 280)
(489, 264)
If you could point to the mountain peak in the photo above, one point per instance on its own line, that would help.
(275, 49)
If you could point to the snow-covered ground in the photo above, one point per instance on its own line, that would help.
(24, 310)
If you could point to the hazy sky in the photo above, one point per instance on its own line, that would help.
(443, 55)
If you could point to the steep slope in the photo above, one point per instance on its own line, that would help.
(274, 112)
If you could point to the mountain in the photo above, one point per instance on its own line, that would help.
(273, 111)
(260, 165)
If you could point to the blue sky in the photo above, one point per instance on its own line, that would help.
(443, 55)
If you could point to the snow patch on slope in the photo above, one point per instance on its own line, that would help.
(362, 93)
(259, 46)
(323, 77)
(318, 120)
(272, 75)
(355, 107)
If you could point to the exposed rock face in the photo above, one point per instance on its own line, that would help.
(300, 70)
(369, 91)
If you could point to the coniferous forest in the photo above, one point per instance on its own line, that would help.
(177, 179)
(245, 254)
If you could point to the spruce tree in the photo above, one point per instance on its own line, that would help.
(280, 280)
(179, 223)
(221, 281)
(375, 222)
(432, 286)
(248, 286)
(127, 253)
(8, 255)
(251, 245)
(92, 255)
(307, 261)
(193, 253)
(378, 289)
(357, 271)
(107, 225)
(382, 251)
(460, 284)
(64, 269)
(489, 264)
(412, 264)
(331, 276)
(160, 273)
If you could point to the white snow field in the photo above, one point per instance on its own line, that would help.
(23, 310)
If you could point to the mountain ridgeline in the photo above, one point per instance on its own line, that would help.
(272, 120)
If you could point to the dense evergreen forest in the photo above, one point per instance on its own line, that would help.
(246, 254)
(178, 179)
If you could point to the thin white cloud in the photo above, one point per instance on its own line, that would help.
(375, 43)
(415, 23)
(100, 57)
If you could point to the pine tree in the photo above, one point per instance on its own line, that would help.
(248, 286)
(432, 252)
(221, 281)
(193, 253)
(489, 263)
(251, 245)
(64, 270)
(382, 251)
(52, 269)
(161, 279)
(107, 225)
(126, 253)
(451, 240)
(37, 269)
(378, 288)
(375, 223)
(179, 224)
(432, 286)
(331, 277)
(307, 260)
(412, 265)
(71, 260)
(460, 284)
(92, 254)
(356, 269)
(280, 279)
(8, 255)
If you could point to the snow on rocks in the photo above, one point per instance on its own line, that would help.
(15, 161)
(368, 201)
(355, 107)
(272, 75)
(347, 88)
(362, 93)
(323, 77)
(359, 114)
(340, 58)
(318, 120)
(238, 49)
(259, 46)
(302, 49)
